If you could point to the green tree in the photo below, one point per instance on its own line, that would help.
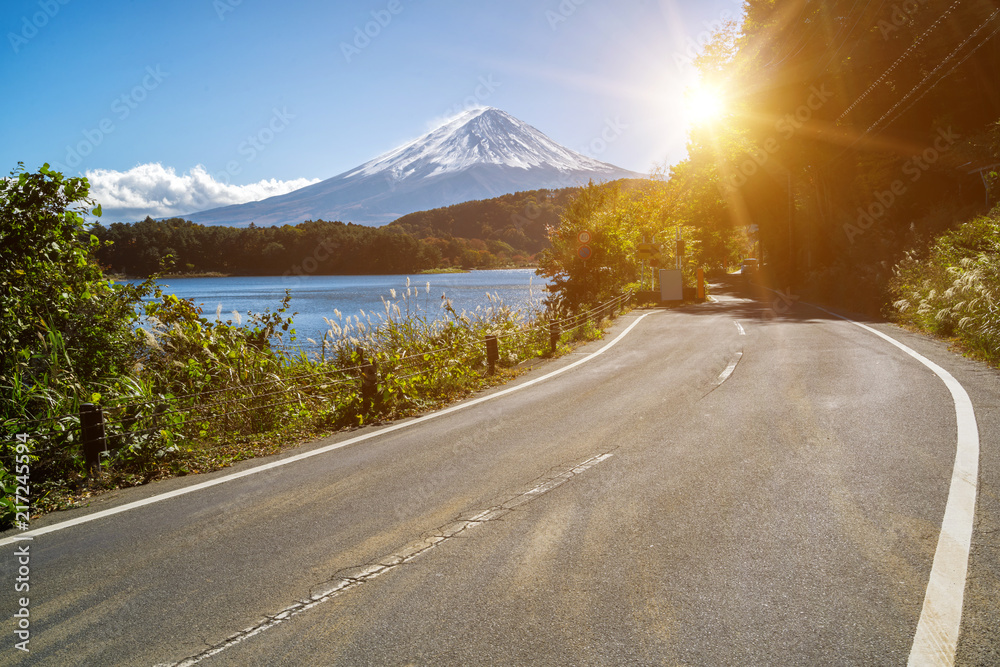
(615, 224)
(62, 324)
(617, 217)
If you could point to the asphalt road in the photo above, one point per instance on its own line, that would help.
(633, 509)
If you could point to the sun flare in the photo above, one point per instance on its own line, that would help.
(704, 104)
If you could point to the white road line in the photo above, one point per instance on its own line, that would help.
(341, 585)
(724, 375)
(936, 638)
(30, 534)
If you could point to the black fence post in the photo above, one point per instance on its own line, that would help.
(92, 430)
(554, 334)
(492, 354)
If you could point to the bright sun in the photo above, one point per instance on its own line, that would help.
(704, 104)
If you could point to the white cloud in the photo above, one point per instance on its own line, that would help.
(159, 192)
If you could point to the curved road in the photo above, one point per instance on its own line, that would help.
(746, 482)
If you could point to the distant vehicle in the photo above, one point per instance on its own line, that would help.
(748, 267)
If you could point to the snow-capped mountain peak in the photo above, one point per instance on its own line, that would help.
(478, 154)
(479, 136)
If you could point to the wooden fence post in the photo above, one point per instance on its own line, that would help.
(554, 334)
(92, 431)
(369, 384)
(492, 354)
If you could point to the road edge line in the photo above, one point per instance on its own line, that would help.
(936, 639)
(111, 511)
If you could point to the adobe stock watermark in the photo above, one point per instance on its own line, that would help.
(463, 454)
(485, 87)
(532, 211)
(121, 108)
(255, 143)
(914, 169)
(786, 127)
(363, 35)
(563, 11)
(223, 7)
(30, 26)
(611, 132)
(310, 264)
(22, 554)
(901, 16)
(782, 304)
(692, 46)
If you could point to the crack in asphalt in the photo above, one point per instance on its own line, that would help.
(733, 363)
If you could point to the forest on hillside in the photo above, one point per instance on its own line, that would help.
(501, 232)
(521, 220)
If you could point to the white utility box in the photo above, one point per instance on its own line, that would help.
(671, 285)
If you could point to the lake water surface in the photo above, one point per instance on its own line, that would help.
(316, 297)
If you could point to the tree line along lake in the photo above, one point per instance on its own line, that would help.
(317, 297)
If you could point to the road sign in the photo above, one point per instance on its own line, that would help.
(647, 250)
(584, 237)
(585, 252)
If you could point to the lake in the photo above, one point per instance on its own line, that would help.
(316, 297)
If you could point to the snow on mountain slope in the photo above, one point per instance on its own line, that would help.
(479, 154)
(481, 136)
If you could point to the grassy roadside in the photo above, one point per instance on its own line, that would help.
(234, 397)
(953, 289)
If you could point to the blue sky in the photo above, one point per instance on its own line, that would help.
(246, 98)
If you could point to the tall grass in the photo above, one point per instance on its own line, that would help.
(954, 290)
(204, 393)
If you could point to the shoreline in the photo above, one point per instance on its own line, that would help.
(215, 274)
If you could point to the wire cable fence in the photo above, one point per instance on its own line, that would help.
(364, 379)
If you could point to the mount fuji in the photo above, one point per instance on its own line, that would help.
(480, 154)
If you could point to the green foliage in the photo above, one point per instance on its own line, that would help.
(955, 290)
(62, 324)
(617, 217)
(609, 216)
(64, 328)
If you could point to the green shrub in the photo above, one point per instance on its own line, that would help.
(955, 289)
